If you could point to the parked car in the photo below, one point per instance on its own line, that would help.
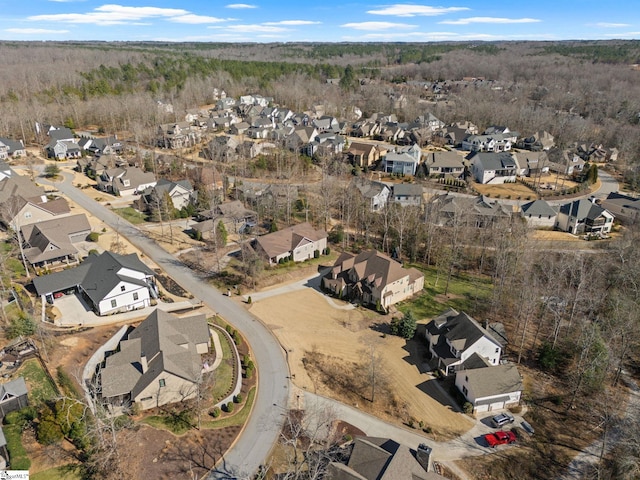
(527, 427)
(500, 438)
(58, 295)
(502, 419)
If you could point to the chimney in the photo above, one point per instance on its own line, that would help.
(423, 456)
(143, 362)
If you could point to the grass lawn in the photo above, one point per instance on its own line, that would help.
(166, 422)
(40, 387)
(68, 472)
(17, 453)
(131, 215)
(236, 419)
(224, 372)
(466, 292)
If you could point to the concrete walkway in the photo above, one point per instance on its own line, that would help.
(218, 348)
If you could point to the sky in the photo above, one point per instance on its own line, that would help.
(312, 21)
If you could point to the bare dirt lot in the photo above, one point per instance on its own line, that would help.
(304, 321)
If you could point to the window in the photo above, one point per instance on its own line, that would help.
(162, 382)
(466, 378)
(122, 288)
(135, 295)
(113, 303)
(27, 214)
(497, 349)
(465, 392)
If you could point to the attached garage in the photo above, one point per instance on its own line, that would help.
(490, 388)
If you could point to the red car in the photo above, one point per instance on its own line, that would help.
(500, 438)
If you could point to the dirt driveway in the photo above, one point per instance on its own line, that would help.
(303, 321)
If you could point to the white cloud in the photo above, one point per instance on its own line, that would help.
(240, 5)
(35, 31)
(611, 25)
(468, 21)
(195, 19)
(404, 10)
(111, 15)
(293, 22)
(443, 36)
(623, 35)
(253, 28)
(377, 25)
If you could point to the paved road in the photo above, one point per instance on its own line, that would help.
(264, 425)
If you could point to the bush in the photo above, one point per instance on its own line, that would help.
(316, 254)
(237, 339)
(237, 398)
(249, 299)
(229, 407)
(93, 237)
(467, 408)
(21, 326)
(215, 413)
(327, 251)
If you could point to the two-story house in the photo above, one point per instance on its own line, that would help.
(584, 216)
(454, 336)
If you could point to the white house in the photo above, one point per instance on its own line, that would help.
(584, 217)
(404, 161)
(539, 213)
(454, 337)
(490, 388)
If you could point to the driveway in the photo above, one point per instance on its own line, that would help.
(263, 427)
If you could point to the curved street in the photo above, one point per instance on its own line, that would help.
(264, 424)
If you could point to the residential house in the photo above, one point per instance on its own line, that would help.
(539, 213)
(100, 146)
(623, 207)
(407, 194)
(110, 283)
(325, 144)
(50, 242)
(64, 149)
(565, 162)
(584, 216)
(478, 212)
(239, 128)
(453, 337)
(94, 166)
(299, 243)
(489, 387)
(222, 148)
(539, 141)
(490, 167)
(235, 217)
(532, 163)
(403, 161)
(455, 133)
(178, 135)
(376, 194)
(301, 136)
(372, 278)
(23, 202)
(373, 458)
(430, 121)
(444, 165)
(13, 396)
(181, 192)
(364, 154)
(5, 170)
(11, 148)
(157, 363)
(326, 124)
(494, 139)
(126, 181)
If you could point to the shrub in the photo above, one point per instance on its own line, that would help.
(229, 407)
(316, 254)
(237, 339)
(467, 408)
(215, 413)
(237, 398)
(93, 237)
(22, 325)
(347, 438)
(249, 299)
(327, 251)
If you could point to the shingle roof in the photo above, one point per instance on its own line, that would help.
(497, 380)
(538, 207)
(460, 329)
(285, 240)
(581, 209)
(14, 388)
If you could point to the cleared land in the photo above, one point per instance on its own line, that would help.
(304, 321)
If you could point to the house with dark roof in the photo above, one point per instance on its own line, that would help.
(372, 278)
(374, 458)
(110, 283)
(299, 242)
(624, 207)
(11, 148)
(453, 337)
(538, 213)
(157, 363)
(50, 243)
(489, 387)
(584, 216)
(491, 167)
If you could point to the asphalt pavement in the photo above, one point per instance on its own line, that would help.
(263, 427)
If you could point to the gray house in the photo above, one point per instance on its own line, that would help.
(13, 396)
